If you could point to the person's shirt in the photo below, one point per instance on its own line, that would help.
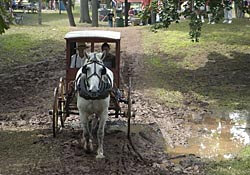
(109, 61)
(76, 61)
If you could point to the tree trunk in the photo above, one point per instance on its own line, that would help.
(238, 9)
(84, 11)
(59, 6)
(153, 17)
(68, 4)
(40, 12)
(126, 12)
(94, 13)
(108, 4)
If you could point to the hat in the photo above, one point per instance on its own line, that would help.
(81, 44)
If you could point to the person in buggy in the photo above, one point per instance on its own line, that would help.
(77, 60)
(109, 62)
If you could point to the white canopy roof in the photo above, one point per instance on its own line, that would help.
(93, 34)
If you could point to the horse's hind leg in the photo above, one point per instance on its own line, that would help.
(87, 137)
(100, 134)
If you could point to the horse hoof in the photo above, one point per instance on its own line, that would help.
(88, 148)
(101, 156)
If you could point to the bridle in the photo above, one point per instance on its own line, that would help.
(104, 87)
(95, 62)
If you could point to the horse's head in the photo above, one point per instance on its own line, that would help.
(93, 73)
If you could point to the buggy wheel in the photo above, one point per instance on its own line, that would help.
(129, 113)
(55, 113)
(129, 99)
(62, 101)
(59, 109)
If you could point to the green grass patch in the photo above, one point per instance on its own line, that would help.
(30, 42)
(216, 69)
(170, 98)
(237, 166)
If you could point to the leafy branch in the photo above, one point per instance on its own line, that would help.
(5, 18)
(170, 11)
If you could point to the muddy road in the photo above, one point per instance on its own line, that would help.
(28, 147)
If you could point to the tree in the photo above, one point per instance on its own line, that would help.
(169, 12)
(94, 13)
(84, 11)
(40, 12)
(126, 12)
(5, 18)
(68, 6)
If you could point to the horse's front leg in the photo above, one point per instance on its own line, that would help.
(87, 136)
(100, 134)
(94, 124)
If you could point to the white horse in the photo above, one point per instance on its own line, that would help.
(93, 84)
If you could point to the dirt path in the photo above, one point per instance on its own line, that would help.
(27, 145)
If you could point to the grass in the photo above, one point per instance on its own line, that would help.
(237, 166)
(213, 73)
(30, 42)
(215, 70)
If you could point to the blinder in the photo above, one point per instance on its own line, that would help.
(84, 69)
(104, 71)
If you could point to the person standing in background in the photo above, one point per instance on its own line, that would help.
(227, 11)
(110, 18)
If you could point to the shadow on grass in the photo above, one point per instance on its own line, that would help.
(223, 79)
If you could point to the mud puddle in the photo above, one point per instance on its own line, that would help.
(219, 136)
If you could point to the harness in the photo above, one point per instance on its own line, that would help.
(104, 87)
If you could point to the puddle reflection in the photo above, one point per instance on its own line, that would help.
(220, 136)
(240, 126)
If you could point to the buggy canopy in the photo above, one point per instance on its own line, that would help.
(94, 34)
